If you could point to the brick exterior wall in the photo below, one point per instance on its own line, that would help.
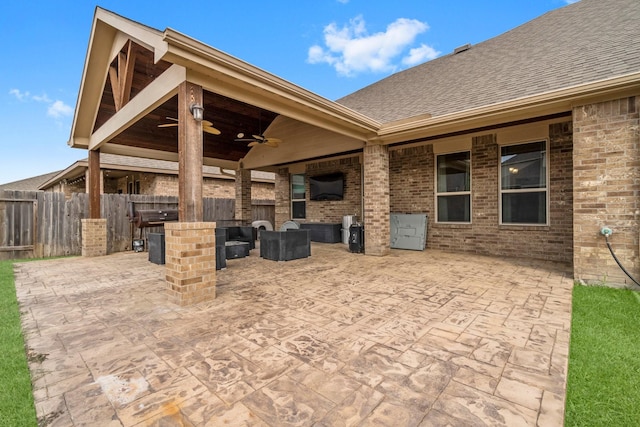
(262, 191)
(243, 195)
(412, 191)
(607, 185)
(376, 200)
(94, 237)
(282, 197)
(411, 180)
(332, 211)
(190, 262)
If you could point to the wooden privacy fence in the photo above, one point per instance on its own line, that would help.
(36, 224)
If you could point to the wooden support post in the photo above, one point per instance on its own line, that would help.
(94, 184)
(190, 154)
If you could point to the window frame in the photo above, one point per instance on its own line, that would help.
(298, 200)
(544, 189)
(438, 194)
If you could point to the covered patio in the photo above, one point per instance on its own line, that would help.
(416, 338)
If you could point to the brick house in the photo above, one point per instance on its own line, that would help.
(523, 145)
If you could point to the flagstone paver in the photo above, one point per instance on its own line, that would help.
(337, 339)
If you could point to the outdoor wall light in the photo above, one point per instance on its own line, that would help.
(197, 111)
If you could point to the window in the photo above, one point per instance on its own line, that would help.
(453, 187)
(523, 183)
(298, 197)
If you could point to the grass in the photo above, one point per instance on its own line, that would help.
(603, 386)
(16, 398)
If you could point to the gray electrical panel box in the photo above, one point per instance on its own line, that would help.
(409, 231)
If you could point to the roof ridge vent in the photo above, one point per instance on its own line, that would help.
(462, 48)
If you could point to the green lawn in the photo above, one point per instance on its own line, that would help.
(16, 399)
(604, 364)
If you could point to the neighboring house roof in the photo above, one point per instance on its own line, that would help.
(589, 41)
(116, 162)
(29, 184)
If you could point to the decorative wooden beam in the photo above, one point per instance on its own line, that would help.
(94, 184)
(121, 77)
(189, 155)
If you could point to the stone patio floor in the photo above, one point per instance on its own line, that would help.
(338, 339)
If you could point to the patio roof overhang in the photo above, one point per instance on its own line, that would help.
(130, 85)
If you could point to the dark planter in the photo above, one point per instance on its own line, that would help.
(156, 248)
(285, 245)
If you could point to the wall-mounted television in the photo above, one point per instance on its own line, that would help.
(326, 187)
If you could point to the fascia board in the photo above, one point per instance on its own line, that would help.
(108, 34)
(224, 73)
(545, 103)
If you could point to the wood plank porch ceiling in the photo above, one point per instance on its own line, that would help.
(228, 115)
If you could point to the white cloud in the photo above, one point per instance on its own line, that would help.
(420, 54)
(59, 109)
(21, 96)
(42, 98)
(352, 50)
(56, 109)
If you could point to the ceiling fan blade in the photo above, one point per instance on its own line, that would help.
(167, 125)
(276, 140)
(258, 137)
(245, 140)
(211, 130)
(271, 143)
(207, 123)
(253, 143)
(171, 118)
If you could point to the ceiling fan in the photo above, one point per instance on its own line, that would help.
(207, 126)
(258, 139)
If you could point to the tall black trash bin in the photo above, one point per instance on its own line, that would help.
(221, 252)
(156, 248)
(356, 238)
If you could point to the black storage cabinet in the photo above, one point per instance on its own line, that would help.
(356, 238)
(156, 248)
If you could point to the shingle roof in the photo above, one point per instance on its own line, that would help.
(580, 43)
(29, 184)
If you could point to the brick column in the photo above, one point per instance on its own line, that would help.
(243, 196)
(376, 200)
(190, 261)
(94, 237)
(606, 183)
(282, 194)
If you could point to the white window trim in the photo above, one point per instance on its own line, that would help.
(297, 200)
(528, 190)
(453, 193)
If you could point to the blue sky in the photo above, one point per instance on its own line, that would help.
(330, 47)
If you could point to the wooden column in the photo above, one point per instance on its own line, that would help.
(189, 155)
(94, 184)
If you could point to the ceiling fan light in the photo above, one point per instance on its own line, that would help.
(197, 111)
(241, 135)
